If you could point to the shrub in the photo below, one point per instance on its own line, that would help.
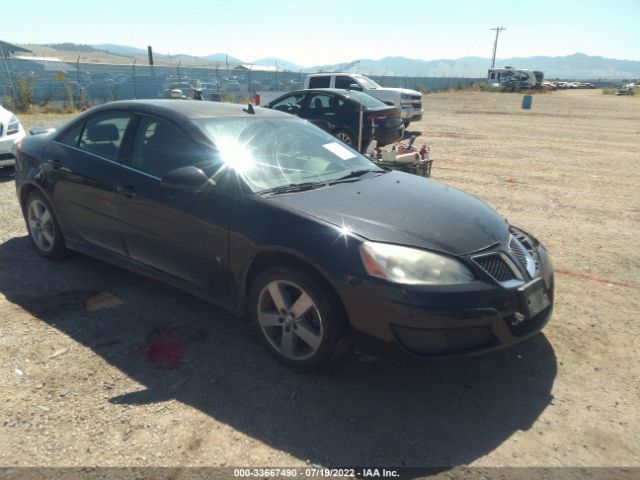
(22, 96)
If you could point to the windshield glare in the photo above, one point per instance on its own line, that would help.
(276, 152)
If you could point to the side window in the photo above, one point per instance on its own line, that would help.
(290, 104)
(160, 146)
(320, 82)
(103, 135)
(344, 82)
(72, 136)
(319, 102)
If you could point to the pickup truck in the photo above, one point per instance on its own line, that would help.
(409, 101)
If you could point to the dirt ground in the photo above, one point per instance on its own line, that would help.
(84, 388)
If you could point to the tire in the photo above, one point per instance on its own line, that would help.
(310, 339)
(406, 124)
(346, 137)
(44, 231)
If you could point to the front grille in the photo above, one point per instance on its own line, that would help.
(7, 156)
(438, 342)
(497, 267)
(521, 242)
(468, 338)
(518, 250)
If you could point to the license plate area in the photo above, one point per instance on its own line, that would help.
(533, 297)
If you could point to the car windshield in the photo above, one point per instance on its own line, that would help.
(273, 152)
(367, 83)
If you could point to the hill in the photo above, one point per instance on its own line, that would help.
(576, 66)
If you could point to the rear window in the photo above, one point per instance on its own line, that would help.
(366, 100)
(320, 82)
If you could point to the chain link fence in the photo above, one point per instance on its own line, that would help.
(82, 84)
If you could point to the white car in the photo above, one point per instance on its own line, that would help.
(11, 132)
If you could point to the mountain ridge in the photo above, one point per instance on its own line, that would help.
(574, 66)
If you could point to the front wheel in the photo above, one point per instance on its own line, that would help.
(297, 319)
(43, 227)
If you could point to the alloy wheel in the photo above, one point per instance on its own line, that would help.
(290, 320)
(344, 137)
(41, 225)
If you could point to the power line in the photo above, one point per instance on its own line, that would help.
(495, 45)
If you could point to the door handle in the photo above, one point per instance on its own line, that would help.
(126, 190)
(56, 164)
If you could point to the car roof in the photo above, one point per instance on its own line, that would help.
(348, 94)
(336, 73)
(338, 91)
(177, 109)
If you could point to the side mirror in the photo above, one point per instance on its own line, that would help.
(355, 86)
(186, 178)
(41, 130)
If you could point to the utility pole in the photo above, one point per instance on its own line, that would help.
(495, 45)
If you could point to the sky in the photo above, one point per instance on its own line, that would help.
(334, 31)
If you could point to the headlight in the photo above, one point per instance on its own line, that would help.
(14, 125)
(411, 266)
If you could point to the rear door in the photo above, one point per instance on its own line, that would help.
(83, 168)
(180, 232)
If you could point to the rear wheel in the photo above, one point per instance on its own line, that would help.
(297, 319)
(345, 137)
(43, 227)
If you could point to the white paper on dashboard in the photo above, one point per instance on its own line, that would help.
(339, 150)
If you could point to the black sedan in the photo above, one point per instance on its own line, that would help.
(338, 112)
(271, 217)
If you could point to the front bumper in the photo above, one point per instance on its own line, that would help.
(7, 146)
(411, 114)
(435, 321)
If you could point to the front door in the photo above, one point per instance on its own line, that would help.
(181, 232)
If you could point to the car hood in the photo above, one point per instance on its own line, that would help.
(404, 209)
(402, 91)
(5, 115)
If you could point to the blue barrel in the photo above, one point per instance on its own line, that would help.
(527, 100)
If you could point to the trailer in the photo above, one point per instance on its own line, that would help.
(514, 79)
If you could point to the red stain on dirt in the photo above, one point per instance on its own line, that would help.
(165, 351)
(592, 278)
(165, 346)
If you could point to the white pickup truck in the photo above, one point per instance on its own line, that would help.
(409, 101)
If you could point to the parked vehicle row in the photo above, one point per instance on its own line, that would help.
(570, 85)
(408, 101)
(271, 217)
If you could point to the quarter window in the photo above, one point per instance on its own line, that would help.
(72, 136)
(103, 135)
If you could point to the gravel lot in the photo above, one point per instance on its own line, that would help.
(84, 387)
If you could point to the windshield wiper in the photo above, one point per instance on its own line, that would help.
(355, 174)
(292, 187)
